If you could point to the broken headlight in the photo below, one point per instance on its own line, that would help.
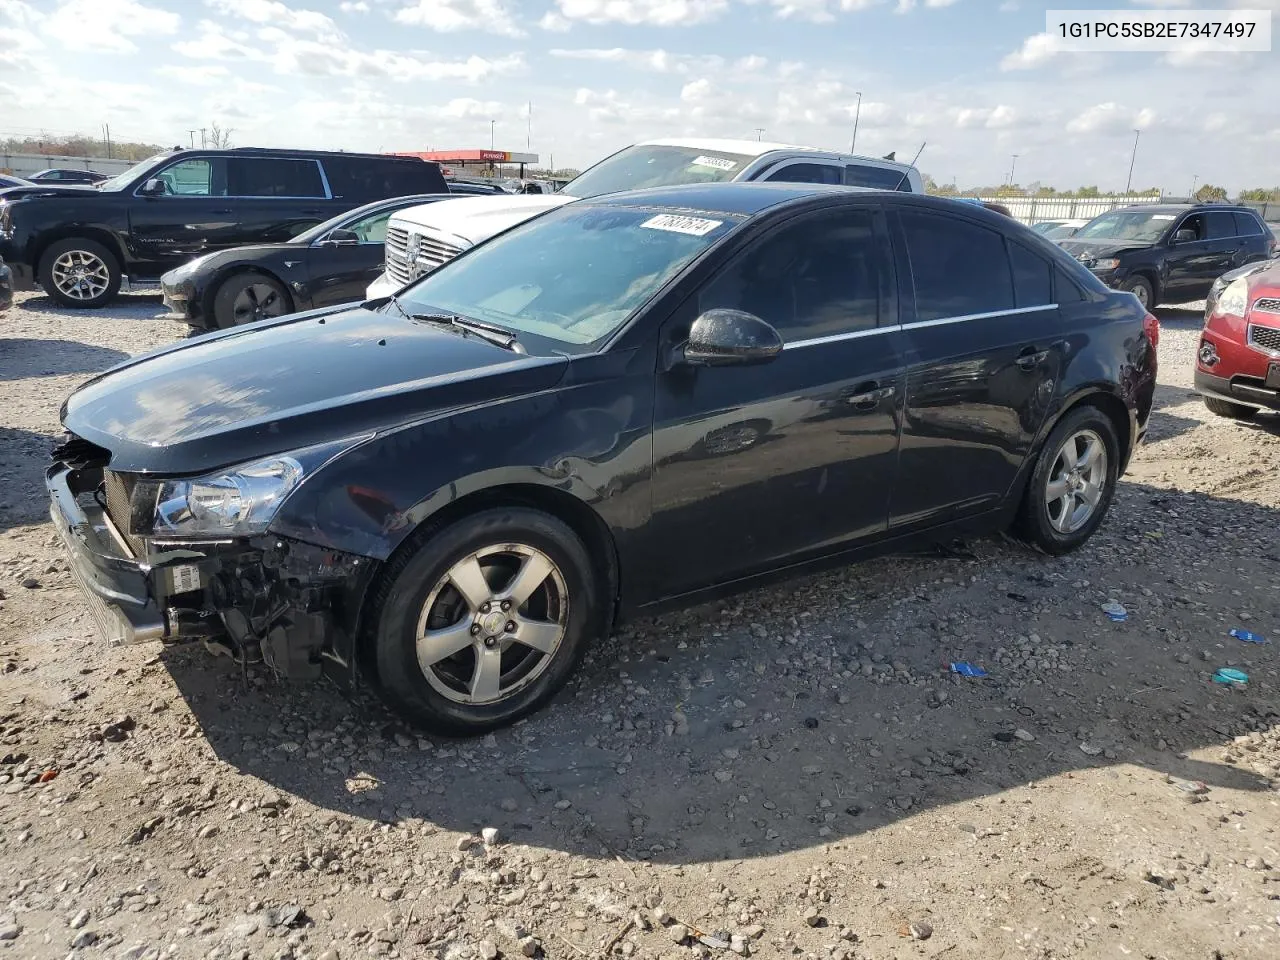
(239, 501)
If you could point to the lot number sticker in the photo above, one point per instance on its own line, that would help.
(718, 163)
(693, 226)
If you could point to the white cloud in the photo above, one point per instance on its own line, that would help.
(106, 25)
(905, 6)
(1035, 51)
(449, 16)
(554, 23)
(657, 61)
(18, 13)
(655, 13)
(199, 75)
(1111, 118)
(353, 6)
(276, 14)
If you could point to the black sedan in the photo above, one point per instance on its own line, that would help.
(333, 262)
(625, 404)
(66, 175)
(9, 180)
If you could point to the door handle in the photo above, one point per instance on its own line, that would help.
(870, 396)
(1030, 358)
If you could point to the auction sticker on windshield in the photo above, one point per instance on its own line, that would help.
(694, 226)
(718, 162)
(1162, 216)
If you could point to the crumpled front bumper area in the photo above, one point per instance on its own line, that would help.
(294, 603)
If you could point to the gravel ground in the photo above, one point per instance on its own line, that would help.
(790, 773)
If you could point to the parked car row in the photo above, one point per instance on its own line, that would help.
(632, 401)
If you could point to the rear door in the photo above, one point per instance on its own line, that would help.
(983, 349)
(756, 466)
(878, 178)
(807, 171)
(273, 199)
(1193, 265)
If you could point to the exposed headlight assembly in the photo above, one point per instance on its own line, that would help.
(1234, 300)
(1105, 263)
(237, 502)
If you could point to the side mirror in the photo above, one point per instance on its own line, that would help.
(1185, 236)
(340, 237)
(722, 337)
(154, 187)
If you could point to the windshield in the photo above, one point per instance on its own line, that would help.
(650, 166)
(1126, 225)
(122, 180)
(572, 276)
(1063, 231)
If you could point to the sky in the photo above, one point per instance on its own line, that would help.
(974, 81)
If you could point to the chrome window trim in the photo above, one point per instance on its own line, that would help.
(857, 334)
(324, 182)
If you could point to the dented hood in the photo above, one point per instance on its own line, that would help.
(284, 384)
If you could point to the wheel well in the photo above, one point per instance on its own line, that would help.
(1149, 275)
(582, 520)
(1115, 411)
(103, 237)
(211, 291)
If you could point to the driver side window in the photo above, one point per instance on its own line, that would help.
(195, 178)
(1195, 223)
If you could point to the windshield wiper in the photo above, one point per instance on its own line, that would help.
(395, 302)
(486, 331)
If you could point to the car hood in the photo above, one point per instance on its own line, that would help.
(1266, 283)
(288, 383)
(473, 219)
(52, 190)
(1091, 249)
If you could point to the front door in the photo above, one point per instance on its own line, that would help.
(755, 466)
(1195, 263)
(341, 272)
(192, 217)
(983, 349)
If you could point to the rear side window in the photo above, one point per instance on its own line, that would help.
(368, 178)
(1065, 290)
(959, 268)
(273, 177)
(1247, 225)
(807, 173)
(878, 178)
(1031, 277)
(1221, 226)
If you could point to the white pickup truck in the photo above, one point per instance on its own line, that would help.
(419, 239)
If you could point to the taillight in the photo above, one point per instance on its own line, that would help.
(1151, 327)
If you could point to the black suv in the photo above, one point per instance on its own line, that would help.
(81, 244)
(1170, 253)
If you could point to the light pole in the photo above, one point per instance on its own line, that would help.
(1195, 178)
(491, 126)
(853, 144)
(1013, 166)
(759, 131)
(1129, 183)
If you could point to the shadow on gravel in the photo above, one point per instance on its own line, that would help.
(24, 358)
(151, 304)
(793, 717)
(1181, 317)
(23, 456)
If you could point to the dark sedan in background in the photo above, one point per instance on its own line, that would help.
(333, 262)
(6, 287)
(64, 175)
(629, 403)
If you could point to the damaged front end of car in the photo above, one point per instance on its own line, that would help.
(189, 558)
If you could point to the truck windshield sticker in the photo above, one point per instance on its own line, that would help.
(1162, 216)
(694, 226)
(716, 162)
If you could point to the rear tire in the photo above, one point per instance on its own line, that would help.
(1072, 484)
(449, 656)
(249, 297)
(80, 273)
(1225, 408)
(1141, 288)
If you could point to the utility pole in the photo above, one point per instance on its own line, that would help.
(528, 137)
(193, 138)
(203, 144)
(1013, 166)
(1195, 178)
(1132, 159)
(759, 132)
(853, 144)
(492, 124)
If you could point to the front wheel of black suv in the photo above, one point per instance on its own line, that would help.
(485, 620)
(1141, 288)
(79, 273)
(1072, 484)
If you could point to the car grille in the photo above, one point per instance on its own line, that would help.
(1267, 305)
(1265, 338)
(118, 488)
(411, 254)
(397, 264)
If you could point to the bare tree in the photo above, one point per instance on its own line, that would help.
(219, 137)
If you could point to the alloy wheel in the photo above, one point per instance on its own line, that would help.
(257, 301)
(1076, 481)
(492, 624)
(80, 275)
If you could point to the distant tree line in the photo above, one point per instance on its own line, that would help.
(1206, 193)
(79, 146)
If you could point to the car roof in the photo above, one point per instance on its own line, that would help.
(1180, 207)
(287, 152)
(742, 199)
(756, 148)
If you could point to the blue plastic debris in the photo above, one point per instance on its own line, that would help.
(1248, 637)
(1115, 611)
(1231, 678)
(967, 669)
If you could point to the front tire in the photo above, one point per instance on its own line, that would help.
(1225, 408)
(1072, 484)
(485, 620)
(1141, 288)
(249, 297)
(80, 273)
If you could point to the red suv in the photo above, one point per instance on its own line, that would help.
(1238, 364)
